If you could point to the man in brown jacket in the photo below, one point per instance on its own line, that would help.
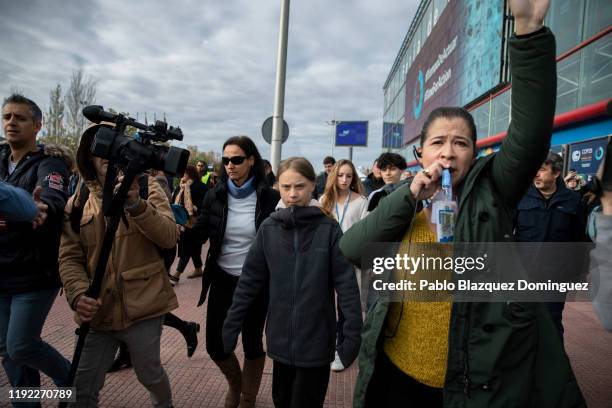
(135, 291)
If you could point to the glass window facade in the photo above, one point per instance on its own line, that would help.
(583, 78)
(598, 16)
(565, 19)
(395, 91)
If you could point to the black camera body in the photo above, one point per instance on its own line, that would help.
(117, 147)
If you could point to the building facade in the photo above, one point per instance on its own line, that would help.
(450, 58)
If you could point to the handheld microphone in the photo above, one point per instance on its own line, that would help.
(97, 114)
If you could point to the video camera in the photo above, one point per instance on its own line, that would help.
(117, 147)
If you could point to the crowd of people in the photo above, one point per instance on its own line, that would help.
(284, 252)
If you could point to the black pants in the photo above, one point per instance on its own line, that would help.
(556, 313)
(297, 387)
(391, 387)
(189, 247)
(220, 297)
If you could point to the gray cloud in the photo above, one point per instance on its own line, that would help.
(210, 66)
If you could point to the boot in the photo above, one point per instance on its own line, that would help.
(231, 370)
(122, 361)
(174, 277)
(195, 273)
(251, 378)
(191, 337)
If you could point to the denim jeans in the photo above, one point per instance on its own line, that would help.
(23, 352)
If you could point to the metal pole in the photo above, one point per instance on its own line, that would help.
(279, 93)
(351, 153)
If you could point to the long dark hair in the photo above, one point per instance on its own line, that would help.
(249, 148)
(191, 171)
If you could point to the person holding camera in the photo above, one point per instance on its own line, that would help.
(443, 354)
(231, 215)
(136, 293)
(29, 280)
(573, 181)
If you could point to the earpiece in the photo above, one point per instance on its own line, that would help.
(416, 153)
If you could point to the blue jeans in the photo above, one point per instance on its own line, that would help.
(23, 352)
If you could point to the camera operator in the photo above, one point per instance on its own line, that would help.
(29, 281)
(135, 293)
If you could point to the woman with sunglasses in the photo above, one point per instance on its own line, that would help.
(231, 214)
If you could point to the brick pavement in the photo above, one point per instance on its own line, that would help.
(197, 382)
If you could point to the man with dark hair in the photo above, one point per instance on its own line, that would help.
(328, 165)
(29, 281)
(391, 165)
(550, 212)
(204, 173)
(374, 180)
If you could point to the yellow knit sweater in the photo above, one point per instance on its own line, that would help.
(420, 345)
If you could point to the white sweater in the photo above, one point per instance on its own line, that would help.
(239, 233)
(356, 210)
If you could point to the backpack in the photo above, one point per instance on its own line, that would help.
(167, 254)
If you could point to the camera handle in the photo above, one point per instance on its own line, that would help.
(113, 210)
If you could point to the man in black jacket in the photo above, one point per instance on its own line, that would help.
(29, 281)
(550, 212)
(328, 165)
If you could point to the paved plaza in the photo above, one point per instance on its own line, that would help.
(197, 382)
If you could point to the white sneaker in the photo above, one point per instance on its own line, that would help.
(337, 364)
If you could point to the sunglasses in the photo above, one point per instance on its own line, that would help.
(234, 160)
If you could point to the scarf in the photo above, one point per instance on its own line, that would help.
(243, 191)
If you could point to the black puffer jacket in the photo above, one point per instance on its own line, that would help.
(28, 257)
(296, 255)
(213, 218)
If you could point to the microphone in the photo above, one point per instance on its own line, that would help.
(97, 114)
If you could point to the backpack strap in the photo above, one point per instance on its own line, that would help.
(78, 203)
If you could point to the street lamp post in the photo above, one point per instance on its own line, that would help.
(279, 93)
(333, 124)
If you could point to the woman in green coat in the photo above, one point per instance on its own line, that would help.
(469, 354)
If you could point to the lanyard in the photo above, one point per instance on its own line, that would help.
(346, 203)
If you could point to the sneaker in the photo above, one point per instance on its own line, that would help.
(337, 364)
(174, 277)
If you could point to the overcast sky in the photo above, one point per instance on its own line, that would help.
(210, 65)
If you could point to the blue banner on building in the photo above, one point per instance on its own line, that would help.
(352, 133)
(586, 157)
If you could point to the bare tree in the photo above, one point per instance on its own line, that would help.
(54, 118)
(82, 92)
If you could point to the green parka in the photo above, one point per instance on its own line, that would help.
(500, 354)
